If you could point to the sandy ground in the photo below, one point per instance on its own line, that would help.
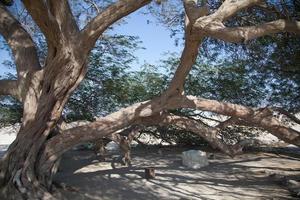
(244, 177)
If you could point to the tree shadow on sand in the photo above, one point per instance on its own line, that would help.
(239, 178)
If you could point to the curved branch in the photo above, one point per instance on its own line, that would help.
(242, 34)
(55, 20)
(256, 117)
(193, 11)
(287, 114)
(40, 12)
(187, 60)
(98, 129)
(140, 113)
(113, 13)
(63, 15)
(206, 132)
(230, 8)
(191, 48)
(150, 112)
(20, 42)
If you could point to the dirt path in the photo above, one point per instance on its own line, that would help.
(244, 177)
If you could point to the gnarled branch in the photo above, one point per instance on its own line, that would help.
(230, 8)
(20, 42)
(61, 11)
(206, 132)
(40, 12)
(212, 25)
(187, 60)
(256, 117)
(242, 34)
(113, 13)
(191, 48)
(98, 129)
(149, 113)
(193, 11)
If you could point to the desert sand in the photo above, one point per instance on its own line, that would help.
(248, 176)
(85, 176)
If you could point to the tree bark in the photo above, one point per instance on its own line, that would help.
(19, 173)
(44, 91)
(27, 168)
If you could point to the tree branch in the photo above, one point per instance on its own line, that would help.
(150, 112)
(57, 23)
(287, 114)
(100, 128)
(113, 13)
(187, 60)
(94, 5)
(212, 25)
(206, 132)
(256, 117)
(191, 47)
(243, 34)
(40, 12)
(9, 87)
(63, 15)
(20, 42)
(230, 8)
(193, 11)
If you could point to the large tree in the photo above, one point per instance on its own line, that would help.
(44, 86)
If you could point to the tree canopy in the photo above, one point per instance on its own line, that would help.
(234, 63)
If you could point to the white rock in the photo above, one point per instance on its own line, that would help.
(134, 143)
(194, 159)
(112, 146)
(8, 134)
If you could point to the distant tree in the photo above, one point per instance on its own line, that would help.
(46, 80)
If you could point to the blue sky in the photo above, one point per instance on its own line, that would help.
(156, 39)
(4, 56)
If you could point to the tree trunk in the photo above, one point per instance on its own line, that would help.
(18, 168)
(27, 168)
(20, 175)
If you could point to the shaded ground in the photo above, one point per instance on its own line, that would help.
(244, 177)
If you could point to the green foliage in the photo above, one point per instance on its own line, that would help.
(250, 75)
(262, 72)
(108, 84)
(10, 111)
(7, 2)
(181, 137)
(173, 135)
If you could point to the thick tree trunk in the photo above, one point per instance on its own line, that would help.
(26, 170)
(19, 172)
(19, 177)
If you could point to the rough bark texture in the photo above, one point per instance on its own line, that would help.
(43, 91)
(27, 168)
